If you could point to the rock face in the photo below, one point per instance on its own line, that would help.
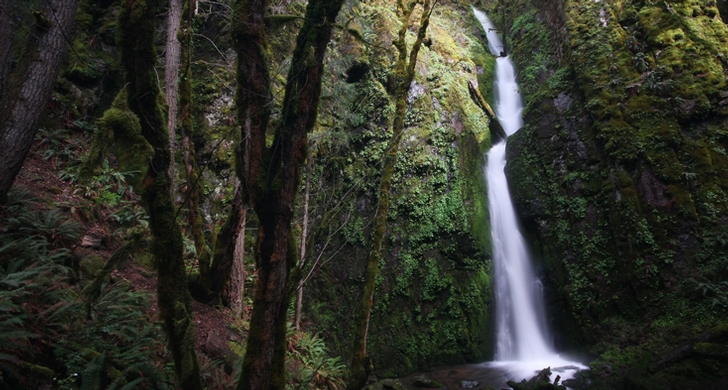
(621, 172)
(433, 297)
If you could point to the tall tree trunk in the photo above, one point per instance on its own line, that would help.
(404, 73)
(304, 239)
(194, 217)
(224, 253)
(237, 276)
(171, 74)
(6, 42)
(28, 93)
(270, 176)
(136, 40)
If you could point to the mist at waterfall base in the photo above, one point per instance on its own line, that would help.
(523, 341)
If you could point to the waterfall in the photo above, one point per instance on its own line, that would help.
(522, 338)
(520, 333)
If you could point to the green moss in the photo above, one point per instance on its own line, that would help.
(119, 133)
(91, 265)
(433, 295)
(621, 148)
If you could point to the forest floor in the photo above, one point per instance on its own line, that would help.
(76, 226)
(215, 327)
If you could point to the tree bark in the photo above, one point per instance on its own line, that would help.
(237, 276)
(270, 176)
(171, 75)
(194, 217)
(136, 41)
(6, 42)
(404, 73)
(304, 239)
(28, 93)
(224, 253)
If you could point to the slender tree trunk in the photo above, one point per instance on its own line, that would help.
(404, 72)
(270, 176)
(304, 239)
(136, 40)
(28, 93)
(194, 217)
(237, 276)
(171, 74)
(225, 244)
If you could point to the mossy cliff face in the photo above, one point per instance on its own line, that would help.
(621, 173)
(433, 295)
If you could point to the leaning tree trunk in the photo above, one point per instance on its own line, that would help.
(28, 94)
(404, 72)
(136, 40)
(270, 176)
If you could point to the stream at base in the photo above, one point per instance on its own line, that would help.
(523, 341)
(492, 374)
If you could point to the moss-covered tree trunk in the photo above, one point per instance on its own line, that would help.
(224, 253)
(270, 176)
(194, 217)
(404, 73)
(29, 87)
(136, 40)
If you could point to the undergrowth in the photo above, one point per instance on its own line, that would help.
(45, 335)
(53, 335)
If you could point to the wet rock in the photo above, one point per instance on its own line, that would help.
(539, 382)
(581, 380)
(563, 102)
(89, 241)
(422, 381)
(416, 90)
(469, 384)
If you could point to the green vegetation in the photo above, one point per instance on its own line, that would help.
(619, 173)
(46, 333)
(432, 297)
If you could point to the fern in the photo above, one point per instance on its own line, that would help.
(40, 313)
(116, 349)
(311, 367)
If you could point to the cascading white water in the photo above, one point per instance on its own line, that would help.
(520, 333)
(522, 338)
